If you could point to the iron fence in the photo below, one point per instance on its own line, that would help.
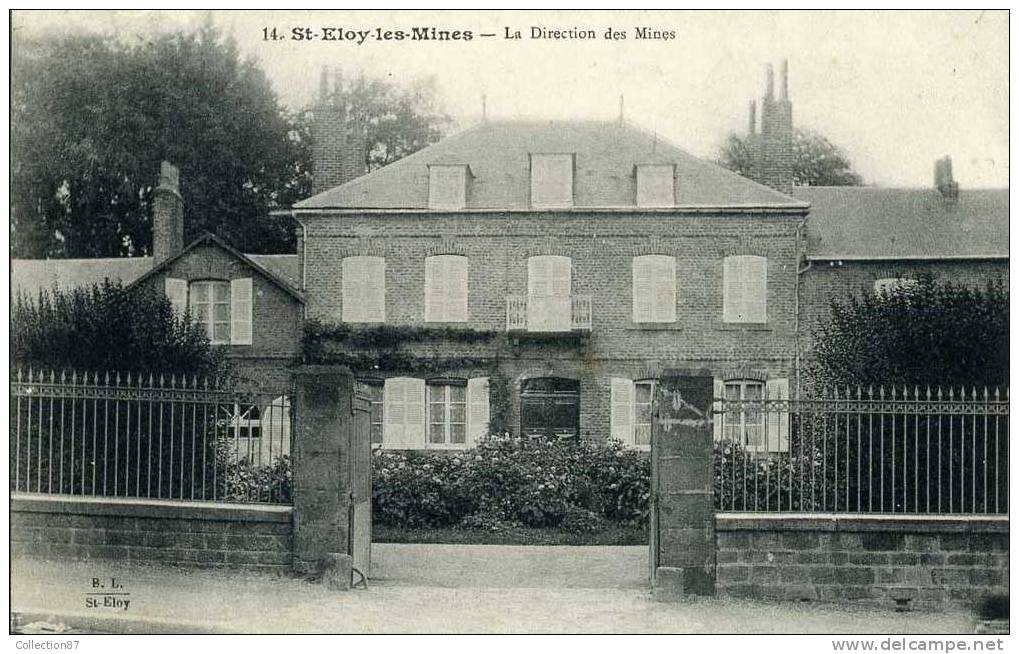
(147, 436)
(864, 450)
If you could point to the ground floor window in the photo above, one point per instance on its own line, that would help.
(744, 423)
(644, 393)
(373, 391)
(447, 414)
(550, 407)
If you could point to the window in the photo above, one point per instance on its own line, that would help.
(223, 309)
(892, 285)
(210, 307)
(631, 411)
(447, 414)
(656, 185)
(446, 288)
(373, 389)
(755, 414)
(549, 282)
(654, 288)
(552, 181)
(745, 289)
(744, 422)
(644, 393)
(447, 187)
(364, 289)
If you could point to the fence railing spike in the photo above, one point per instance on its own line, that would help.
(107, 378)
(881, 392)
(161, 380)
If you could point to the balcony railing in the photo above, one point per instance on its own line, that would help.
(548, 314)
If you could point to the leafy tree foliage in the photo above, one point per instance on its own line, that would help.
(109, 328)
(818, 162)
(933, 333)
(93, 117)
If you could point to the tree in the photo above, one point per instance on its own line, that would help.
(92, 118)
(109, 328)
(931, 333)
(817, 161)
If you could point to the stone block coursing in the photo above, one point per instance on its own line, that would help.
(928, 562)
(188, 533)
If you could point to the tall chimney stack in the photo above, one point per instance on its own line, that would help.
(339, 143)
(772, 149)
(167, 215)
(944, 181)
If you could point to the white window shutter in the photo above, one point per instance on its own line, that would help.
(241, 302)
(757, 289)
(414, 430)
(478, 410)
(665, 290)
(730, 289)
(434, 284)
(718, 417)
(177, 292)
(403, 413)
(778, 421)
(539, 273)
(364, 289)
(642, 301)
(459, 290)
(622, 410)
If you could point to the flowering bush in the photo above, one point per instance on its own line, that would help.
(507, 481)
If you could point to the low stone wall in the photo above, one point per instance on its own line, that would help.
(915, 562)
(192, 533)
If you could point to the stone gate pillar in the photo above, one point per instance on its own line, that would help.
(321, 451)
(682, 461)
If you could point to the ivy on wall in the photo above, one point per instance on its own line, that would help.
(382, 348)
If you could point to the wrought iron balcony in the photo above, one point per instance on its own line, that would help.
(548, 315)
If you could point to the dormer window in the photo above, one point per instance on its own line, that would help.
(656, 185)
(447, 187)
(551, 181)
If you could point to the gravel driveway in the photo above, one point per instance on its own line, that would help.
(438, 589)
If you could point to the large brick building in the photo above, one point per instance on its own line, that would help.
(595, 254)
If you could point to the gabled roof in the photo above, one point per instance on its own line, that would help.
(860, 222)
(498, 156)
(215, 240)
(30, 276)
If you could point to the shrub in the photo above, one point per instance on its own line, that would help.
(109, 327)
(506, 481)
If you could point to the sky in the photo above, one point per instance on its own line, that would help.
(895, 90)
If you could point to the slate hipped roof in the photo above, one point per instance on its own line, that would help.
(498, 154)
(859, 222)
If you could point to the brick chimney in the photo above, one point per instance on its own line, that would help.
(167, 215)
(339, 144)
(944, 181)
(772, 149)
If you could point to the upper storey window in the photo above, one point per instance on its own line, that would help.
(447, 187)
(656, 185)
(364, 289)
(551, 181)
(745, 289)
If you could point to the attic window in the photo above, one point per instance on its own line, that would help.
(551, 181)
(656, 185)
(447, 187)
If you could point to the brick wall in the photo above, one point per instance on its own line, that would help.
(841, 279)
(923, 562)
(193, 533)
(602, 247)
